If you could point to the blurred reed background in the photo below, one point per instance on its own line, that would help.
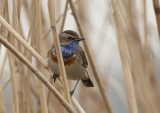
(122, 47)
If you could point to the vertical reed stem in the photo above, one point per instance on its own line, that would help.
(64, 17)
(125, 61)
(2, 103)
(94, 69)
(157, 12)
(58, 49)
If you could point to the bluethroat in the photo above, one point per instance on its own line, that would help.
(75, 61)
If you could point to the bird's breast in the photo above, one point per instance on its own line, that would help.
(67, 62)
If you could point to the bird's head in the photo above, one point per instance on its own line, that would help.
(69, 36)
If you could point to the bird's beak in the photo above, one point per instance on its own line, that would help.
(79, 39)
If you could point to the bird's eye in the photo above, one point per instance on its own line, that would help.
(68, 38)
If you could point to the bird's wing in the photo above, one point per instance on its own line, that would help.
(51, 50)
(80, 53)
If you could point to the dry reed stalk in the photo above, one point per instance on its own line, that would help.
(15, 98)
(42, 92)
(127, 21)
(49, 94)
(88, 95)
(3, 64)
(151, 95)
(34, 96)
(24, 103)
(125, 61)
(46, 34)
(29, 34)
(6, 83)
(94, 69)
(120, 90)
(23, 42)
(157, 13)
(60, 16)
(37, 73)
(58, 49)
(140, 56)
(2, 31)
(34, 86)
(146, 52)
(143, 72)
(32, 105)
(41, 87)
(2, 102)
(27, 75)
(50, 97)
(2, 13)
(34, 92)
(138, 80)
(145, 24)
(76, 104)
(64, 17)
(33, 25)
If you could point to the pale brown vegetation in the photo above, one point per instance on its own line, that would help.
(32, 88)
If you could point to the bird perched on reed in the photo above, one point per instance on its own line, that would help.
(75, 61)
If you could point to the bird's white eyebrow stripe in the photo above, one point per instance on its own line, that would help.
(71, 36)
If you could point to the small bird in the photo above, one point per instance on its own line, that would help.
(75, 61)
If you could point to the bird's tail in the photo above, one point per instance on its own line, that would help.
(87, 81)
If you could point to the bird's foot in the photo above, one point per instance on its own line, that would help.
(71, 92)
(55, 76)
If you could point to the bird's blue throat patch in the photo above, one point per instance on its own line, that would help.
(69, 49)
